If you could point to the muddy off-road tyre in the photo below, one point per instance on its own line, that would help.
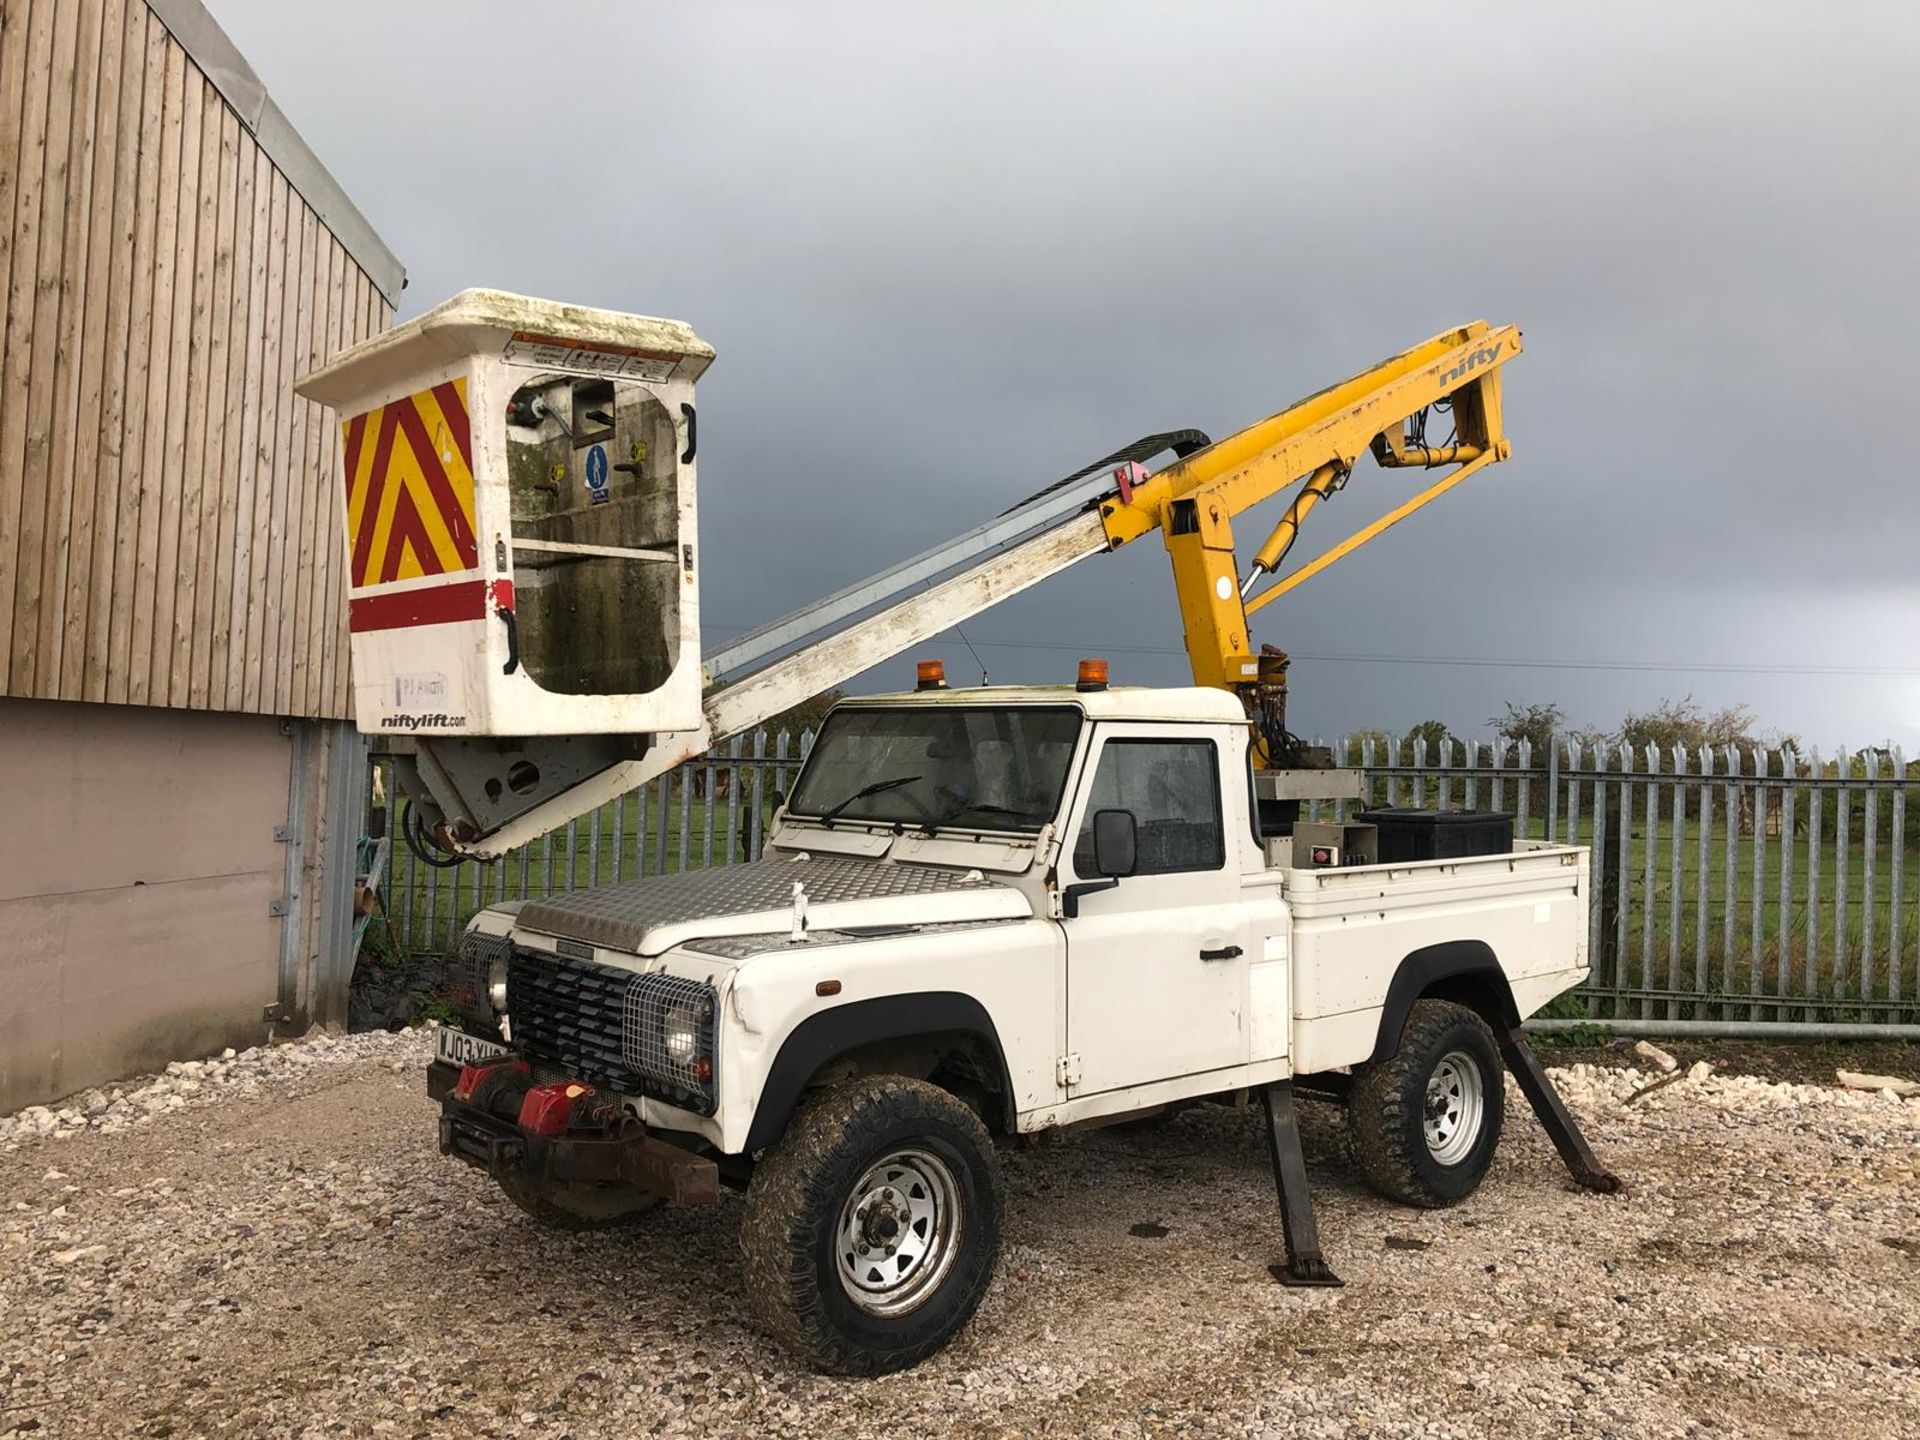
(1425, 1123)
(872, 1227)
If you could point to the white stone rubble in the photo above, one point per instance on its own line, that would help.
(305, 1264)
(129, 1104)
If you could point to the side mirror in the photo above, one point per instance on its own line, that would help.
(1115, 838)
(1114, 843)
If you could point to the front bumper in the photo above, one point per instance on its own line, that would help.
(633, 1159)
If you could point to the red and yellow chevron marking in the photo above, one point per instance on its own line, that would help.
(409, 476)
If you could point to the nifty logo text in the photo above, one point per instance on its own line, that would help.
(423, 722)
(1486, 355)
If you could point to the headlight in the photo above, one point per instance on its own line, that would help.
(682, 1029)
(669, 1038)
(479, 977)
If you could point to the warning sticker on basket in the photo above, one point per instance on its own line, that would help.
(588, 357)
(597, 475)
(413, 692)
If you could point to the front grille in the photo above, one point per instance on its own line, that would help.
(608, 1027)
(570, 1013)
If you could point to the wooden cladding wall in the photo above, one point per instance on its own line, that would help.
(169, 532)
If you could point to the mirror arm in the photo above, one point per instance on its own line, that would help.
(1070, 897)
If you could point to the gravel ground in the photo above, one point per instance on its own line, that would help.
(269, 1245)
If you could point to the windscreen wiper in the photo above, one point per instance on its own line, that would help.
(864, 791)
(986, 807)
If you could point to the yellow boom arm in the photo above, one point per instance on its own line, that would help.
(1193, 502)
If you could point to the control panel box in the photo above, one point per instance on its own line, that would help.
(1328, 844)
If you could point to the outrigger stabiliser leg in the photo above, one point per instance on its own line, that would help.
(1304, 1265)
(1587, 1172)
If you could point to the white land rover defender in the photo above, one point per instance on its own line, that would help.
(984, 913)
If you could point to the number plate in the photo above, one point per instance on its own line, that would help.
(460, 1048)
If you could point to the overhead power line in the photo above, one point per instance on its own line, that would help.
(1481, 662)
(1488, 662)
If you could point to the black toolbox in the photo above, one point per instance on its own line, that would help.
(1410, 834)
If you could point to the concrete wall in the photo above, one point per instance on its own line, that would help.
(137, 865)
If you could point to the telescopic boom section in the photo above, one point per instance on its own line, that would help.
(1315, 444)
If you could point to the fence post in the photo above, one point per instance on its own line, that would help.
(619, 833)
(433, 909)
(1783, 929)
(1730, 869)
(706, 840)
(759, 795)
(662, 821)
(1604, 875)
(1758, 922)
(1842, 820)
(1868, 835)
(1897, 846)
(1676, 905)
(1649, 902)
(782, 744)
(593, 847)
(733, 796)
(1573, 795)
(1623, 847)
(1553, 785)
(1703, 863)
(1815, 814)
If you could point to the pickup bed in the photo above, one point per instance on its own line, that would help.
(988, 913)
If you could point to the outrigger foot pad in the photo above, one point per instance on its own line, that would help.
(1304, 1264)
(1303, 1270)
(1587, 1171)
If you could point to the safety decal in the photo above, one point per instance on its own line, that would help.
(409, 478)
(589, 357)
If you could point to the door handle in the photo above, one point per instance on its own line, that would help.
(513, 641)
(1225, 952)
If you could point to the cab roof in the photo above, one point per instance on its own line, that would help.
(1120, 702)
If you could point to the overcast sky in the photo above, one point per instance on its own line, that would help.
(949, 254)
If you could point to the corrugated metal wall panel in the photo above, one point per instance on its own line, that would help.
(168, 533)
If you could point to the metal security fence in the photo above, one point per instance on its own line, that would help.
(712, 811)
(1731, 885)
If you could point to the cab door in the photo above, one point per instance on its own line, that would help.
(1157, 964)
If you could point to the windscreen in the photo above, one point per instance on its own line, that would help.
(971, 767)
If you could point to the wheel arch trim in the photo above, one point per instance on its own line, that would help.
(1465, 971)
(829, 1034)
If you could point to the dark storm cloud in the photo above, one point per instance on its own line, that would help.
(949, 254)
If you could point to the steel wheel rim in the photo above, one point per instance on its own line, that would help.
(1456, 1107)
(899, 1232)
